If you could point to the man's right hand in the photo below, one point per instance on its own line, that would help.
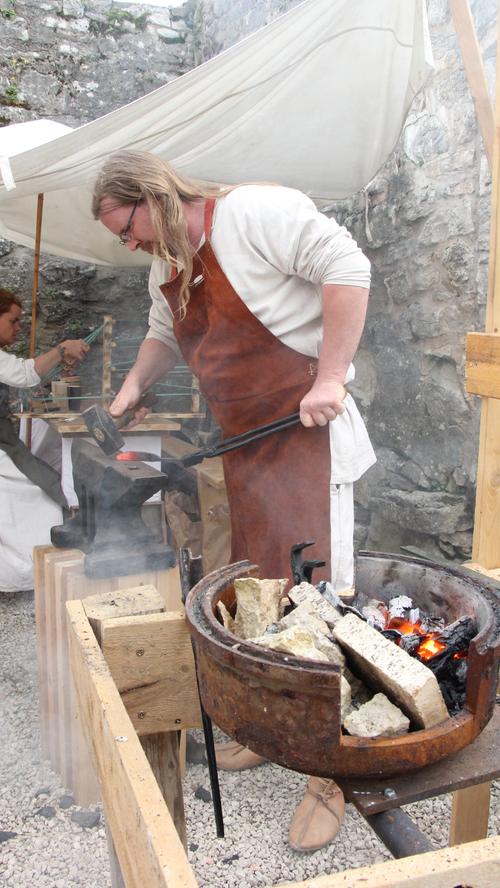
(128, 398)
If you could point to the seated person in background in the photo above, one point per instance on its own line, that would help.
(31, 498)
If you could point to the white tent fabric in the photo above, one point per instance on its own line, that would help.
(315, 100)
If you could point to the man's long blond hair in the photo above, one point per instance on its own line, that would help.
(129, 176)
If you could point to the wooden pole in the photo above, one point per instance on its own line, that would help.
(34, 295)
(107, 344)
(486, 539)
(474, 68)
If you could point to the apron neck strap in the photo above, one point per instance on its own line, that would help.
(209, 213)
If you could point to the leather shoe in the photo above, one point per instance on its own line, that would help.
(234, 757)
(318, 817)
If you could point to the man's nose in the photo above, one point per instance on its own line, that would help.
(132, 245)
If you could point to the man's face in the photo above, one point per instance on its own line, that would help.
(10, 325)
(130, 221)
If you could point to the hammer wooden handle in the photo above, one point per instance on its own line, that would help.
(147, 401)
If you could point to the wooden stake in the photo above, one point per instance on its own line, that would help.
(107, 344)
(34, 295)
(474, 68)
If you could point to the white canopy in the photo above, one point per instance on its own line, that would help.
(315, 100)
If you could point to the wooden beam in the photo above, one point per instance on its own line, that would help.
(474, 68)
(151, 661)
(482, 366)
(470, 814)
(486, 540)
(475, 864)
(147, 844)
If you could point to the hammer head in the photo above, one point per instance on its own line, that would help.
(103, 429)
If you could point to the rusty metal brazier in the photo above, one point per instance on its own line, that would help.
(287, 708)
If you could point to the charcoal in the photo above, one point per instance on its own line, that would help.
(410, 643)
(326, 590)
(373, 616)
(392, 634)
(459, 634)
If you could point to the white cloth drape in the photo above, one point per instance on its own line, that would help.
(316, 100)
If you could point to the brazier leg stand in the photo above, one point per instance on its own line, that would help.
(467, 774)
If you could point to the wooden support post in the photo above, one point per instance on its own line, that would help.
(470, 813)
(162, 753)
(486, 540)
(34, 295)
(59, 577)
(474, 68)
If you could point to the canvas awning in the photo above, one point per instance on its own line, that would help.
(315, 100)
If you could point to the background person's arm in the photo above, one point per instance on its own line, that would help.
(70, 350)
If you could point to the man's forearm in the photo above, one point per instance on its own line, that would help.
(344, 312)
(153, 362)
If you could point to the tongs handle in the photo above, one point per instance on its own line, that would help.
(240, 440)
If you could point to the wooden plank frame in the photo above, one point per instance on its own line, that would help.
(147, 845)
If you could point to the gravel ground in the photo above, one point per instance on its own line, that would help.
(58, 845)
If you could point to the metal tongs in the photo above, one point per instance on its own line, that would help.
(240, 440)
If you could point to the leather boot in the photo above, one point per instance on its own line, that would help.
(318, 817)
(234, 757)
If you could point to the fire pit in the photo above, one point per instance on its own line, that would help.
(287, 709)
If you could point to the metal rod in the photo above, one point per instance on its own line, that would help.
(190, 573)
(399, 833)
(241, 440)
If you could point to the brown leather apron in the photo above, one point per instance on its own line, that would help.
(279, 487)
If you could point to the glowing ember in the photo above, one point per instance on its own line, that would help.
(430, 644)
(430, 647)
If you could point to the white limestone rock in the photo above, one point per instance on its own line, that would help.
(305, 592)
(305, 615)
(227, 619)
(258, 604)
(345, 698)
(407, 681)
(377, 718)
(296, 640)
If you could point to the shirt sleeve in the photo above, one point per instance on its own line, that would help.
(160, 316)
(18, 372)
(285, 227)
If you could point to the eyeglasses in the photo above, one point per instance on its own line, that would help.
(124, 235)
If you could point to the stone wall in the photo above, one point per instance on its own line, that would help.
(423, 221)
(73, 62)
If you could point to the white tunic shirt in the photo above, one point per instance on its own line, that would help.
(277, 251)
(26, 512)
(18, 372)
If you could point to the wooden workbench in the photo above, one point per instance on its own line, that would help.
(71, 424)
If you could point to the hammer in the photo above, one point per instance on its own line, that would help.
(105, 429)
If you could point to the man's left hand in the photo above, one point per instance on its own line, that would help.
(323, 403)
